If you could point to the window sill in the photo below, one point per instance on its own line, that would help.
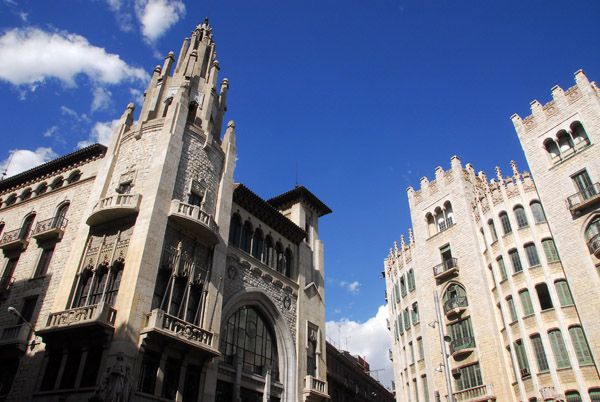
(441, 231)
(523, 227)
(559, 159)
(548, 310)
(564, 369)
(517, 273)
(529, 316)
(535, 266)
(513, 323)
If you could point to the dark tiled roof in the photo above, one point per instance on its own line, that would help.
(93, 151)
(300, 193)
(267, 213)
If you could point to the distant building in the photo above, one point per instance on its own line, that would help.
(148, 274)
(349, 379)
(514, 261)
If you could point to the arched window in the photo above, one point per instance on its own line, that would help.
(248, 335)
(592, 236)
(552, 149)
(582, 350)
(515, 260)
(580, 137)
(114, 281)
(573, 396)
(167, 102)
(74, 177)
(492, 230)
(595, 394)
(411, 279)
(526, 302)
(268, 254)
(42, 188)
(564, 294)
(83, 288)
(26, 227)
(192, 110)
(288, 262)
(564, 142)
(521, 217)
(550, 250)
(26, 194)
(540, 353)
(431, 224)
(57, 183)
(403, 286)
(279, 257)
(505, 223)
(246, 237)
(440, 219)
(98, 285)
(59, 219)
(11, 199)
(532, 254)
(235, 230)
(522, 358)
(455, 297)
(449, 214)
(544, 296)
(538, 212)
(257, 244)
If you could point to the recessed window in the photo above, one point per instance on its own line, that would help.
(584, 185)
(492, 230)
(505, 223)
(540, 353)
(532, 255)
(538, 212)
(515, 260)
(511, 308)
(544, 296)
(558, 348)
(502, 268)
(582, 350)
(550, 250)
(526, 302)
(521, 217)
(44, 262)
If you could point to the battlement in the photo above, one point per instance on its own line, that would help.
(561, 100)
(400, 256)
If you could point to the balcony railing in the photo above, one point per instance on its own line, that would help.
(14, 239)
(194, 218)
(480, 393)
(462, 345)
(584, 198)
(98, 313)
(17, 334)
(181, 264)
(445, 268)
(315, 387)
(177, 328)
(594, 245)
(50, 228)
(455, 304)
(114, 207)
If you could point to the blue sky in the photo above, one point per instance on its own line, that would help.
(365, 96)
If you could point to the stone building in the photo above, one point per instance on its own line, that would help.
(349, 379)
(493, 293)
(140, 271)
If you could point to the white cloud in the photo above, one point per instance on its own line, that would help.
(24, 159)
(157, 16)
(71, 113)
(123, 15)
(102, 99)
(31, 55)
(370, 339)
(137, 96)
(50, 132)
(351, 287)
(101, 132)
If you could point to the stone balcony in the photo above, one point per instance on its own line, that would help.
(314, 389)
(584, 198)
(52, 228)
(14, 240)
(462, 346)
(193, 218)
(80, 321)
(445, 269)
(455, 306)
(164, 328)
(15, 336)
(116, 206)
(476, 394)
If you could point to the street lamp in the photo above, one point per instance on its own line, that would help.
(443, 338)
(16, 313)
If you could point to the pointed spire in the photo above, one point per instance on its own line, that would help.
(513, 165)
(410, 236)
(396, 247)
(499, 174)
(402, 241)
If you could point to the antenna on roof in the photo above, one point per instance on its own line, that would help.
(8, 164)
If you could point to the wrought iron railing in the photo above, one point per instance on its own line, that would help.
(445, 266)
(454, 303)
(458, 344)
(57, 222)
(14, 235)
(587, 194)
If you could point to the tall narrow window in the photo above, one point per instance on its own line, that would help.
(246, 238)
(580, 137)
(544, 296)
(550, 250)
(515, 260)
(521, 217)
(540, 354)
(279, 257)
(526, 302)
(403, 285)
(415, 313)
(505, 223)
(573, 396)
(288, 258)
(511, 308)
(580, 345)
(558, 348)
(595, 395)
(470, 377)
(502, 268)
(492, 230)
(564, 294)
(311, 357)
(425, 387)
(268, 254)
(7, 274)
(60, 218)
(584, 185)
(44, 262)
(522, 358)
(26, 228)
(420, 347)
(538, 212)
(257, 244)
(411, 279)
(235, 230)
(406, 319)
(532, 255)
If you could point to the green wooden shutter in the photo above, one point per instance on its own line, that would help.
(526, 302)
(580, 344)
(564, 294)
(558, 348)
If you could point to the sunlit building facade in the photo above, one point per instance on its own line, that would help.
(507, 267)
(141, 272)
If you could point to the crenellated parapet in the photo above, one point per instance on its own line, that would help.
(400, 255)
(561, 101)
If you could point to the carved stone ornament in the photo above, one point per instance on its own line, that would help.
(231, 272)
(287, 302)
(116, 382)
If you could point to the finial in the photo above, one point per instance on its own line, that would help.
(499, 174)
(131, 106)
(231, 124)
(396, 247)
(410, 236)
(402, 241)
(513, 165)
